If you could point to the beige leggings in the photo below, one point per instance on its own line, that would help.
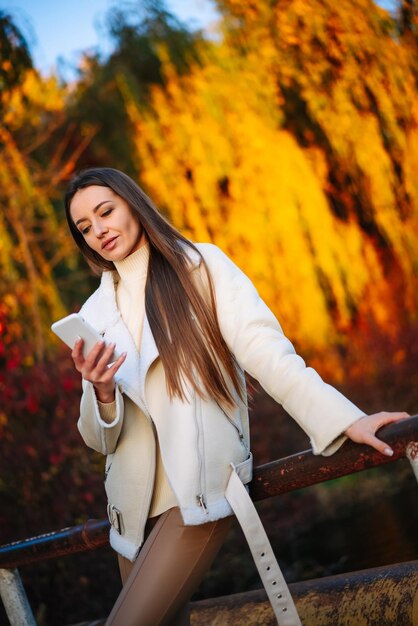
(173, 560)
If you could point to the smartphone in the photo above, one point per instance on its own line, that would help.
(73, 326)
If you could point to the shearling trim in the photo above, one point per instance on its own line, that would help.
(123, 546)
(193, 516)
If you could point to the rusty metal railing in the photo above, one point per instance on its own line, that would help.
(287, 474)
(305, 469)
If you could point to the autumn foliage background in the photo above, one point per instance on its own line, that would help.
(289, 139)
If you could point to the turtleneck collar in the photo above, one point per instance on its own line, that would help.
(135, 265)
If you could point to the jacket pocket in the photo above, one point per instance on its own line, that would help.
(245, 470)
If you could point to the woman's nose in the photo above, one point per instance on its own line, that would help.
(99, 229)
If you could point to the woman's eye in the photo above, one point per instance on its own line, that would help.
(85, 230)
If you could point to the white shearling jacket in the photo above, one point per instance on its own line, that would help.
(198, 440)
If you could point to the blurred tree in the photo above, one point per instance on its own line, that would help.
(291, 141)
(339, 86)
(293, 145)
(407, 21)
(137, 30)
(34, 245)
(15, 58)
(408, 17)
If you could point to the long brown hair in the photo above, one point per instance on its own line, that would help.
(194, 351)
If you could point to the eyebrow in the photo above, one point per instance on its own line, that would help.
(82, 219)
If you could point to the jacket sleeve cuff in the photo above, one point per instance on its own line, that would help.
(331, 444)
(108, 414)
(96, 433)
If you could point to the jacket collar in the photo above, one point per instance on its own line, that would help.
(106, 295)
(102, 312)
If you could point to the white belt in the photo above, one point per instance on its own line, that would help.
(263, 555)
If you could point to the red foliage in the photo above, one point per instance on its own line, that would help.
(49, 479)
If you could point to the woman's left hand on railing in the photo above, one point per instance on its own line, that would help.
(364, 429)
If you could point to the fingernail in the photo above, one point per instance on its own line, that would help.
(388, 451)
(78, 339)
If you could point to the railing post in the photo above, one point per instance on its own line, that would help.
(14, 599)
(412, 456)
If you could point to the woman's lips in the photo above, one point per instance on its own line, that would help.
(110, 244)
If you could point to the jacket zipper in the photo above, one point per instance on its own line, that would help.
(107, 471)
(200, 498)
(200, 446)
(237, 428)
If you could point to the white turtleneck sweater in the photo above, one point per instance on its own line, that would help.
(130, 297)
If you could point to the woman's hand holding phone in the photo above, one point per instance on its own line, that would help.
(95, 367)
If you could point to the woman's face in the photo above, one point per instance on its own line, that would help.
(106, 221)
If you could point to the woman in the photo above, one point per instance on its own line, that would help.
(171, 413)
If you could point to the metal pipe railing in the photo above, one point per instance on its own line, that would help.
(305, 468)
(82, 538)
(14, 598)
(379, 596)
(290, 473)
